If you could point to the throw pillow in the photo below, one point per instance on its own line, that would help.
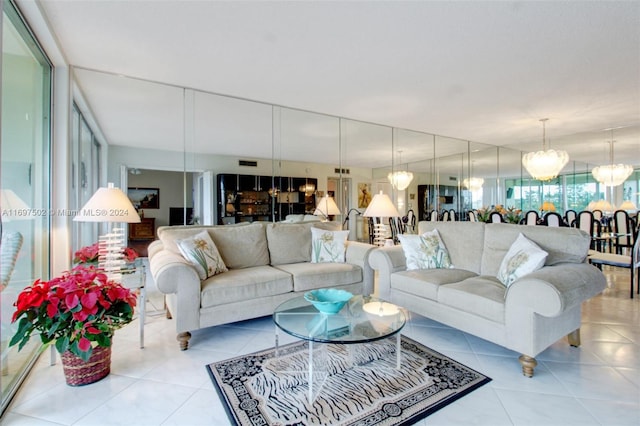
(328, 246)
(202, 253)
(426, 251)
(524, 256)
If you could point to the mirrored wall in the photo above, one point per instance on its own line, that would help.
(241, 160)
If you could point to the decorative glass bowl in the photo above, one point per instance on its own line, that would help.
(328, 300)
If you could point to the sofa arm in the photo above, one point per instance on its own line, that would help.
(174, 275)
(154, 247)
(358, 254)
(554, 289)
(387, 260)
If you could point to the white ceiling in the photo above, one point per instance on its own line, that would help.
(480, 71)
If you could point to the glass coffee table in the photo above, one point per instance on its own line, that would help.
(364, 319)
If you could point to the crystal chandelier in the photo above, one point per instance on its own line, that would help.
(546, 164)
(612, 174)
(400, 179)
(473, 183)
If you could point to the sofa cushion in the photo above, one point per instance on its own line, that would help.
(308, 276)
(289, 242)
(482, 295)
(239, 285)
(426, 251)
(241, 246)
(524, 256)
(202, 253)
(464, 241)
(564, 245)
(426, 282)
(328, 246)
(170, 234)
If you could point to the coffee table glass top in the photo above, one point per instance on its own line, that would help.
(363, 319)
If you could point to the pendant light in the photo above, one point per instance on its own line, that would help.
(546, 164)
(473, 183)
(400, 179)
(612, 174)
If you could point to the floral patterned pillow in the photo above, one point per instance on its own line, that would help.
(328, 246)
(426, 251)
(524, 256)
(202, 253)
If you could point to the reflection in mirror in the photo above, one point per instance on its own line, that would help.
(210, 135)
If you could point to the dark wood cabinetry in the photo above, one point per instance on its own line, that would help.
(141, 234)
(247, 198)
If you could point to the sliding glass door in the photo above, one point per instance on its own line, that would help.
(24, 183)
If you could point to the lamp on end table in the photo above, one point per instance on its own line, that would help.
(381, 207)
(110, 205)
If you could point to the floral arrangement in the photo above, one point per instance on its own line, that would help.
(483, 214)
(513, 215)
(79, 310)
(89, 254)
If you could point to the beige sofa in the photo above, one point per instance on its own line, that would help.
(535, 311)
(268, 263)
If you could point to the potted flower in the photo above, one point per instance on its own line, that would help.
(88, 254)
(79, 312)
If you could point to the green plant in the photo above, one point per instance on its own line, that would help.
(79, 310)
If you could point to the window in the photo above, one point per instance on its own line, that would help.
(24, 181)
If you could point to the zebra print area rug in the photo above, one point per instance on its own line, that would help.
(358, 384)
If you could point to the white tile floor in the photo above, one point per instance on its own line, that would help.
(596, 384)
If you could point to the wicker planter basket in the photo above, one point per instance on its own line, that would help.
(78, 372)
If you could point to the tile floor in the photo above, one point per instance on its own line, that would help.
(597, 384)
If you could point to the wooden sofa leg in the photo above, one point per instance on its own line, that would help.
(183, 340)
(528, 364)
(574, 338)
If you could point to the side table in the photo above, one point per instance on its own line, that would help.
(135, 279)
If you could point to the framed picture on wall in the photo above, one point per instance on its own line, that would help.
(144, 198)
(364, 195)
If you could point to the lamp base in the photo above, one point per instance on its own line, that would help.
(111, 254)
(381, 233)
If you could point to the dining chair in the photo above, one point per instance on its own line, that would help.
(411, 221)
(597, 214)
(623, 227)
(570, 216)
(395, 223)
(553, 219)
(472, 216)
(531, 217)
(434, 215)
(631, 261)
(452, 215)
(445, 216)
(496, 217)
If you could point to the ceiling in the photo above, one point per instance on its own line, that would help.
(481, 71)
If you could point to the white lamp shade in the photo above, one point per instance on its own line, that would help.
(628, 205)
(14, 207)
(381, 206)
(326, 207)
(108, 205)
(603, 205)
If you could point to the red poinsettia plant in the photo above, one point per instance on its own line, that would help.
(89, 254)
(79, 310)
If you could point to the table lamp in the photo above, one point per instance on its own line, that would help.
(110, 205)
(381, 206)
(326, 207)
